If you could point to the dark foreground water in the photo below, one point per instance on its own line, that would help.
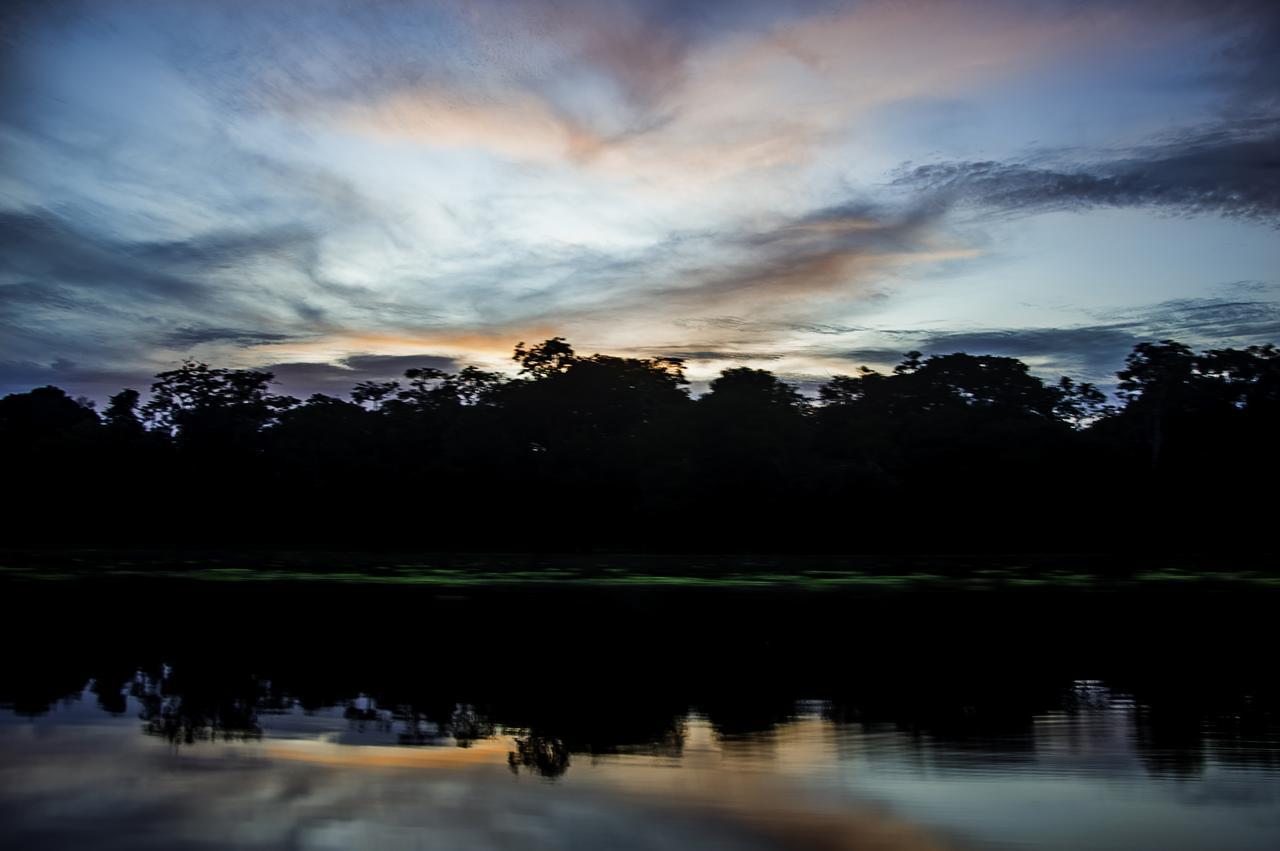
(171, 714)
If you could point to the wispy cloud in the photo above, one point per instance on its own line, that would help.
(302, 379)
(1231, 170)
(69, 293)
(1093, 351)
(245, 184)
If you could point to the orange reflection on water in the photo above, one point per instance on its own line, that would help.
(749, 785)
(484, 752)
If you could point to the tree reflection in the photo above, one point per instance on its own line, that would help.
(543, 755)
(466, 725)
(649, 671)
(204, 711)
(977, 723)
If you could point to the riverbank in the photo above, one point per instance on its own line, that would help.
(622, 570)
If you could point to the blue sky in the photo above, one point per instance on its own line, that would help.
(338, 190)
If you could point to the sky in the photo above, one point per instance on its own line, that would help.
(338, 190)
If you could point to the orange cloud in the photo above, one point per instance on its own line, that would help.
(485, 347)
(746, 104)
(516, 125)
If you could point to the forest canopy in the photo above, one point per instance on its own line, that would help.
(952, 452)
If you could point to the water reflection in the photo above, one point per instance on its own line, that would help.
(1098, 767)
(1088, 724)
(545, 755)
(674, 721)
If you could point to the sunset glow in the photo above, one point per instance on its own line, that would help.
(805, 187)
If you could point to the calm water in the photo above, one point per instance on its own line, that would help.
(140, 720)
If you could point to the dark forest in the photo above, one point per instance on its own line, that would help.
(950, 453)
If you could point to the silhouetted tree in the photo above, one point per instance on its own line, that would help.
(121, 414)
(1157, 380)
(544, 359)
(48, 454)
(1080, 403)
(752, 454)
(199, 402)
(374, 393)
(474, 386)
(580, 451)
(426, 390)
(1246, 379)
(42, 415)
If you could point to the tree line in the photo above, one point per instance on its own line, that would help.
(946, 453)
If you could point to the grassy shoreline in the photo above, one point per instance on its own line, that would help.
(807, 573)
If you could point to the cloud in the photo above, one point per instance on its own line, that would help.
(1248, 72)
(36, 246)
(300, 379)
(713, 355)
(224, 249)
(786, 265)
(872, 356)
(436, 119)
(1090, 351)
(95, 383)
(1230, 170)
(71, 297)
(790, 267)
(243, 184)
(337, 379)
(194, 335)
(653, 94)
(1093, 352)
(1239, 321)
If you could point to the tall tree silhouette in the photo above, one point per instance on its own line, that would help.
(121, 414)
(954, 451)
(200, 403)
(1158, 379)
